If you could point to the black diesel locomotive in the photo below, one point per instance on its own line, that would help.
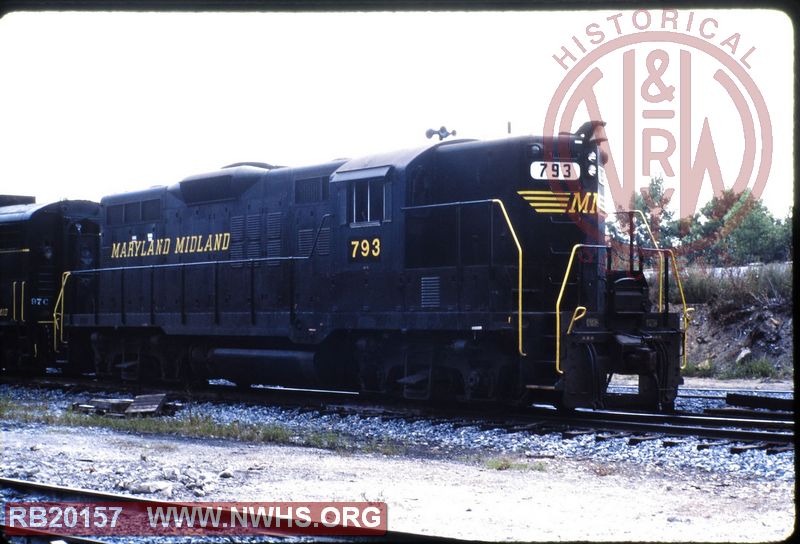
(38, 242)
(466, 270)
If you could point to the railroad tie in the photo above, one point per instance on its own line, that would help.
(601, 437)
(706, 445)
(748, 447)
(634, 440)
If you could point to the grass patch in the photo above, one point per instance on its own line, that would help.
(385, 447)
(538, 466)
(195, 426)
(192, 426)
(326, 440)
(700, 369)
(734, 288)
(506, 463)
(751, 368)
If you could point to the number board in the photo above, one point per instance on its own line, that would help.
(364, 249)
(546, 170)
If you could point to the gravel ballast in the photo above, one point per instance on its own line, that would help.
(444, 483)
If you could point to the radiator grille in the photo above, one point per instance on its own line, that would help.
(254, 227)
(273, 250)
(430, 292)
(274, 221)
(305, 239)
(237, 228)
(324, 242)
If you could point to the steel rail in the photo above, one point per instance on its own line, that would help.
(691, 419)
(697, 431)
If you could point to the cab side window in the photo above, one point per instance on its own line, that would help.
(366, 201)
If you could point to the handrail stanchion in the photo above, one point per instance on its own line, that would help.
(519, 275)
(58, 313)
(655, 244)
(516, 242)
(686, 311)
(561, 295)
(577, 315)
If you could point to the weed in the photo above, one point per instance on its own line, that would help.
(538, 466)
(384, 447)
(328, 440)
(702, 369)
(751, 368)
(505, 463)
(733, 288)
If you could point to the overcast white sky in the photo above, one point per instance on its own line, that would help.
(98, 103)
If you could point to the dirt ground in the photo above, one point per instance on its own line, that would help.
(766, 384)
(550, 500)
(720, 342)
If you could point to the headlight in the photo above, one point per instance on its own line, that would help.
(592, 170)
(592, 157)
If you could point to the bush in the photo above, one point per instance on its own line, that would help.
(702, 369)
(732, 288)
(752, 368)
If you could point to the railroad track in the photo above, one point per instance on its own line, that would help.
(753, 399)
(752, 426)
(42, 492)
(641, 427)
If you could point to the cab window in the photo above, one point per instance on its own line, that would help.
(365, 201)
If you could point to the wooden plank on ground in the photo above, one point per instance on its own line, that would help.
(144, 405)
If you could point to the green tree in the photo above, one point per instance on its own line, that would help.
(734, 229)
(653, 202)
(731, 229)
(759, 237)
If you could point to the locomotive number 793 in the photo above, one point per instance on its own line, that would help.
(365, 249)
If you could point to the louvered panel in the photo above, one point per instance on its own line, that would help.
(305, 239)
(253, 250)
(324, 242)
(237, 228)
(254, 227)
(237, 251)
(273, 250)
(274, 221)
(430, 292)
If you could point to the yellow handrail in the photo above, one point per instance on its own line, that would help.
(686, 310)
(558, 301)
(499, 202)
(576, 317)
(58, 313)
(22, 304)
(660, 252)
(14, 301)
(660, 256)
(519, 275)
